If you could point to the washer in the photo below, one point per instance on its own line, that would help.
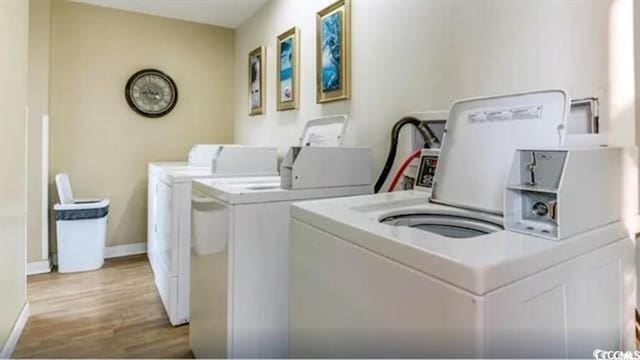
(435, 274)
(169, 212)
(240, 249)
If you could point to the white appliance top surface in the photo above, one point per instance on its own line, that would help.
(479, 264)
(177, 173)
(481, 137)
(268, 189)
(325, 131)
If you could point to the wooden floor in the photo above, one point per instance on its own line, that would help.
(114, 312)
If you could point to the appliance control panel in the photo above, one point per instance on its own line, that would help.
(427, 170)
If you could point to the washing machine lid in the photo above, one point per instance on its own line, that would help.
(324, 131)
(481, 136)
(168, 165)
(202, 154)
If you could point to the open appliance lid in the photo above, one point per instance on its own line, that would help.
(481, 137)
(324, 131)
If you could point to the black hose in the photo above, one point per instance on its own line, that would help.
(430, 141)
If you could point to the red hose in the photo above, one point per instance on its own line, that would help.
(402, 168)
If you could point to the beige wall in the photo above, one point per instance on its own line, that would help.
(622, 95)
(39, 50)
(636, 39)
(422, 55)
(102, 144)
(14, 27)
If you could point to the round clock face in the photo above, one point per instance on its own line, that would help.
(151, 93)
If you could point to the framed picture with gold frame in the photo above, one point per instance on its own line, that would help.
(288, 78)
(333, 58)
(256, 81)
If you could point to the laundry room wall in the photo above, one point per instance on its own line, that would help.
(37, 195)
(412, 56)
(96, 138)
(422, 55)
(623, 95)
(623, 114)
(14, 30)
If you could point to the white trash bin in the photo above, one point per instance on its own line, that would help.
(81, 228)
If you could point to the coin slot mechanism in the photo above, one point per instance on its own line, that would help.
(531, 199)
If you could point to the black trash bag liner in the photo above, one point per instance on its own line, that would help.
(82, 214)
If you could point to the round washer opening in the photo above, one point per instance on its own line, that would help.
(452, 226)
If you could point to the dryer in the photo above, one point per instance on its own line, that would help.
(169, 212)
(517, 251)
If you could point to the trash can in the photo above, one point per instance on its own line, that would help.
(81, 228)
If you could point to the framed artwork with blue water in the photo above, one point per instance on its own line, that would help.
(333, 59)
(288, 74)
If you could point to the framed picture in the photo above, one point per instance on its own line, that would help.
(256, 81)
(333, 35)
(288, 74)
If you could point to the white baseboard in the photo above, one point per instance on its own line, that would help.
(39, 267)
(125, 250)
(12, 340)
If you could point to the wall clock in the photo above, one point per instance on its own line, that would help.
(151, 93)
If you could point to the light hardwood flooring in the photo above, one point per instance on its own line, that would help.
(114, 312)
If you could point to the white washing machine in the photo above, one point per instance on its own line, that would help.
(169, 212)
(435, 274)
(240, 246)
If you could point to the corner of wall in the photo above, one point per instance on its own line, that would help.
(7, 349)
(14, 32)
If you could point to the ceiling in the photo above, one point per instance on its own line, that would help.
(226, 13)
